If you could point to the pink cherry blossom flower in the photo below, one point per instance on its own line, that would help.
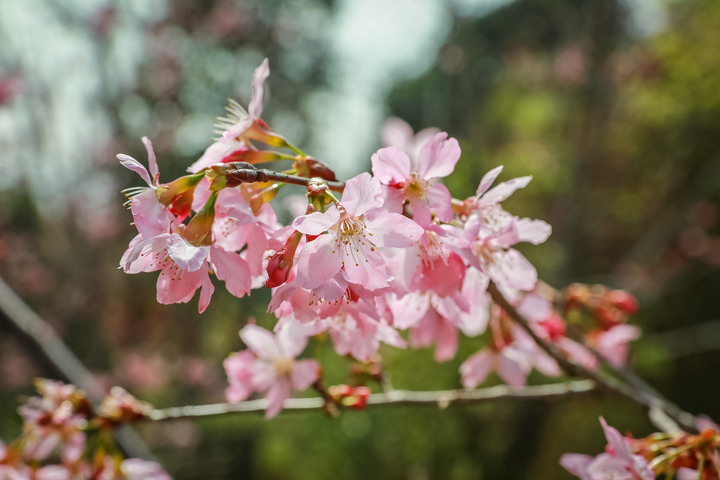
(397, 133)
(486, 205)
(415, 181)
(270, 367)
(432, 320)
(238, 228)
(151, 218)
(492, 254)
(510, 363)
(618, 462)
(185, 267)
(613, 343)
(350, 238)
(237, 123)
(429, 265)
(490, 232)
(354, 323)
(358, 330)
(511, 353)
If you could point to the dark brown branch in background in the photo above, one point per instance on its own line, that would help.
(437, 399)
(41, 336)
(661, 412)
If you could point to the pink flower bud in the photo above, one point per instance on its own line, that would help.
(178, 194)
(281, 262)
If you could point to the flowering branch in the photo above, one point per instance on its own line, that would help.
(440, 399)
(247, 173)
(661, 411)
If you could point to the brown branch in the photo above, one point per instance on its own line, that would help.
(250, 174)
(41, 336)
(438, 399)
(661, 412)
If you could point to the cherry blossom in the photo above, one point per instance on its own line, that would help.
(270, 367)
(151, 218)
(431, 319)
(415, 181)
(356, 230)
(396, 132)
(234, 127)
(618, 462)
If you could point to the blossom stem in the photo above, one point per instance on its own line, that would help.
(249, 174)
(441, 399)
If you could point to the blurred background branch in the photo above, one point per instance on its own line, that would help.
(60, 360)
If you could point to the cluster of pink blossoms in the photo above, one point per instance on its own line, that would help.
(59, 425)
(394, 253)
(678, 455)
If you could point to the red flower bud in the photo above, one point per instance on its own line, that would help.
(361, 397)
(609, 317)
(554, 325)
(624, 301)
(281, 262)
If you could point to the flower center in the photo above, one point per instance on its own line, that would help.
(416, 187)
(283, 365)
(352, 238)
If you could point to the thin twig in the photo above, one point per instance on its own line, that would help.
(438, 399)
(58, 356)
(251, 174)
(661, 412)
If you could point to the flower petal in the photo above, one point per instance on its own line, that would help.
(361, 194)
(187, 256)
(617, 442)
(178, 286)
(391, 165)
(440, 202)
(488, 180)
(576, 463)
(215, 153)
(152, 160)
(318, 262)
(476, 368)
(304, 373)
(232, 269)
(396, 132)
(503, 190)
(260, 341)
(151, 218)
(439, 156)
(532, 231)
(291, 339)
(317, 222)
(131, 164)
(364, 266)
(513, 367)
(393, 230)
(260, 74)
(409, 310)
(276, 397)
